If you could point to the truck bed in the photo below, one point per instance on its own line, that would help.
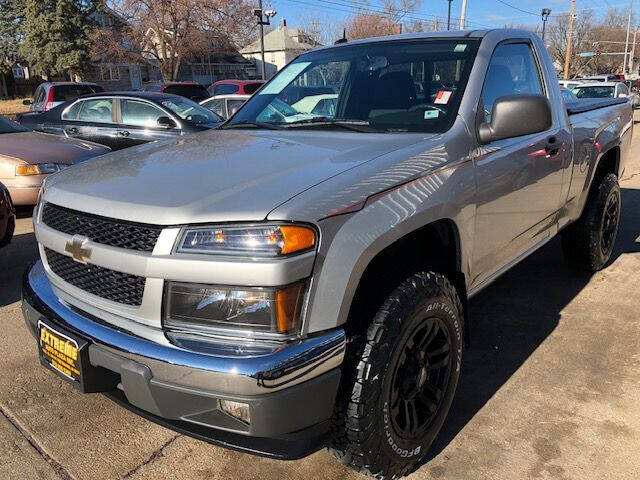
(589, 104)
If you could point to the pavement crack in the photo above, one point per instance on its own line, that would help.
(60, 470)
(152, 458)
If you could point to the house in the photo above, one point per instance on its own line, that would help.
(281, 45)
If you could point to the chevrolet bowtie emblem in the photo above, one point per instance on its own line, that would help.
(77, 250)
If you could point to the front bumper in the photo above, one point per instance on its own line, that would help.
(290, 390)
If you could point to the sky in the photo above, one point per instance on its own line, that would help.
(480, 13)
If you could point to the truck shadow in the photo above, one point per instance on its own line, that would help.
(512, 317)
(14, 258)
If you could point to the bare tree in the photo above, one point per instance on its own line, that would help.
(170, 31)
(557, 39)
(387, 20)
(320, 28)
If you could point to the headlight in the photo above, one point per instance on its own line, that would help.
(193, 307)
(255, 240)
(39, 169)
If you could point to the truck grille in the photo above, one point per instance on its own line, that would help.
(107, 231)
(102, 282)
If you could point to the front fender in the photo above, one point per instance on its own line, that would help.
(350, 242)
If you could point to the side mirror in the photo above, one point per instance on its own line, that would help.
(27, 102)
(166, 122)
(622, 95)
(516, 115)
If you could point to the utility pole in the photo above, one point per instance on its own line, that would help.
(463, 14)
(258, 12)
(449, 16)
(633, 51)
(567, 58)
(545, 14)
(626, 44)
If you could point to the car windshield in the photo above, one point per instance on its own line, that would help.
(190, 111)
(410, 85)
(595, 91)
(64, 93)
(7, 126)
(190, 91)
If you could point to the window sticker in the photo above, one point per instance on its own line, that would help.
(461, 47)
(284, 78)
(442, 98)
(429, 114)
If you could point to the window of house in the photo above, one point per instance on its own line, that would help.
(109, 72)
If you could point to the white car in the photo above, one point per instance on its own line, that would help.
(606, 90)
(225, 105)
(324, 104)
(569, 84)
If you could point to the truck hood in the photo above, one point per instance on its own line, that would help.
(215, 176)
(34, 148)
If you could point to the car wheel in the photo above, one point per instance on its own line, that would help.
(588, 243)
(11, 226)
(399, 379)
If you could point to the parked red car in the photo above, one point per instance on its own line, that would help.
(191, 90)
(7, 217)
(239, 87)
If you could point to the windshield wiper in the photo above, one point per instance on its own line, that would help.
(353, 125)
(248, 124)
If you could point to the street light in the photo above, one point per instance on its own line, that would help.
(545, 14)
(261, 15)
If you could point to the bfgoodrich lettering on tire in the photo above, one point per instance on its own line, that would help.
(400, 378)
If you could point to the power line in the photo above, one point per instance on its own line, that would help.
(516, 8)
(351, 8)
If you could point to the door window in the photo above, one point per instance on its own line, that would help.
(38, 97)
(623, 89)
(140, 114)
(71, 113)
(99, 110)
(217, 106)
(512, 71)
(234, 105)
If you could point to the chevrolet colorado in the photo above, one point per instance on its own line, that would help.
(293, 281)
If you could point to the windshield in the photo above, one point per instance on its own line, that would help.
(7, 126)
(594, 92)
(190, 111)
(194, 92)
(414, 85)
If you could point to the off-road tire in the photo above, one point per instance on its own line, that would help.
(363, 433)
(583, 242)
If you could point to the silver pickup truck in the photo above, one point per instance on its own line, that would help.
(299, 278)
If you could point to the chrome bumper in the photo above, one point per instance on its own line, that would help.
(290, 390)
(283, 367)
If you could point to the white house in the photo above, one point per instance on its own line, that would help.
(281, 45)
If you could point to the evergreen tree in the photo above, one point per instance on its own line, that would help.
(10, 18)
(56, 35)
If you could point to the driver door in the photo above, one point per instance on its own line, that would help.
(519, 180)
(138, 123)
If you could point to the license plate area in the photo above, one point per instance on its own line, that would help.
(67, 355)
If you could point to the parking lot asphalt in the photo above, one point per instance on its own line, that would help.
(550, 387)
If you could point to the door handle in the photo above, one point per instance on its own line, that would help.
(553, 147)
(72, 130)
(123, 133)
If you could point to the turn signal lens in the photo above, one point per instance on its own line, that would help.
(254, 240)
(27, 170)
(296, 239)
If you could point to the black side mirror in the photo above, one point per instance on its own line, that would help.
(27, 102)
(516, 115)
(166, 122)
